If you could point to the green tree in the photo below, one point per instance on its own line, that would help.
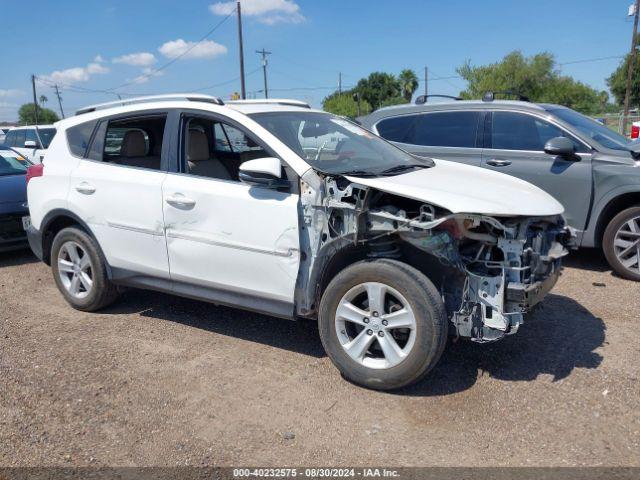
(43, 99)
(408, 83)
(534, 77)
(378, 88)
(617, 81)
(27, 115)
(344, 104)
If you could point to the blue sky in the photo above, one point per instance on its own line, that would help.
(91, 45)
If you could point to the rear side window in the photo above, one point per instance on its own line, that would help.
(18, 138)
(131, 142)
(438, 129)
(79, 136)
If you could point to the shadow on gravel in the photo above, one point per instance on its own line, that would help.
(17, 257)
(559, 336)
(591, 259)
(299, 336)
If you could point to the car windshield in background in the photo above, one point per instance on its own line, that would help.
(12, 163)
(592, 129)
(46, 135)
(334, 145)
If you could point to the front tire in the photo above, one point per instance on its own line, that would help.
(383, 324)
(621, 243)
(80, 272)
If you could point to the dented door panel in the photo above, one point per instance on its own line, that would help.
(230, 236)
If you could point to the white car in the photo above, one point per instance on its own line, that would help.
(31, 141)
(391, 253)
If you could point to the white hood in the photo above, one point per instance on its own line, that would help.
(463, 188)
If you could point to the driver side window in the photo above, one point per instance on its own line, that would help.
(216, 149)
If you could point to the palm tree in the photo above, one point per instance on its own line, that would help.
(43, 100)
(408, 83)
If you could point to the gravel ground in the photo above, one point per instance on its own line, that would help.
(157, 380)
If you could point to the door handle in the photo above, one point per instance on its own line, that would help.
(496, 162)
(178, 200)
(85, 188)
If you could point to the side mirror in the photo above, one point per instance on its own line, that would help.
(264, 172)
(30, 144)
(560, 146)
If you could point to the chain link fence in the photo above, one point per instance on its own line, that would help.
(615, 122)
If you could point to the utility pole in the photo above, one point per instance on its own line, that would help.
(632, 62)
(242, 86)
(264, 54)
(59, 99)
(426, 81)
(35, 98)
(339, 83)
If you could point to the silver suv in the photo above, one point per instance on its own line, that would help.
(593, 171)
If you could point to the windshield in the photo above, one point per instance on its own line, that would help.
(592, 129)
(334, 145)
(12, 163)
(46, 135)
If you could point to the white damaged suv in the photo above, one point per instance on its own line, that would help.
(273, 207)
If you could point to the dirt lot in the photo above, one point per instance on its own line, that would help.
(158, 380)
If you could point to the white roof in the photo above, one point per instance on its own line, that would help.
(22, 127)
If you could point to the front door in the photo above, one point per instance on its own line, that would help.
(228, 241)
(515, 146)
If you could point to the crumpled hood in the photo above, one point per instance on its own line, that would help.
(462, 188)
(13, 189)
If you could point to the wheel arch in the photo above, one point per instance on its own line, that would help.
(611, 209)
(54, 222)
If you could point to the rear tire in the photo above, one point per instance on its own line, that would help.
(383, 324)
(621, 243)
(80, 272)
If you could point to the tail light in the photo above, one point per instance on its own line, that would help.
(34, 171)
(635, 131)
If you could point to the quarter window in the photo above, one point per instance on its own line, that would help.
(79, 137)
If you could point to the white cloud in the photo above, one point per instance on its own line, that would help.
(11, 92)
(147, 73)
(205, 49)
(76, 74)
(99, 59)
(266, 11)
(140, 59)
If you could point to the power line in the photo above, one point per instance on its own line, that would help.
(175, 59)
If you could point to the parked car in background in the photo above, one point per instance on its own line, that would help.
(390, 253)
(3, 133)
(593, 171)
(31, 141)
(14, 214)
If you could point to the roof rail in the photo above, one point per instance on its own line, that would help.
(423, 98)
(193, 97)
(491, 96)
(270, 101)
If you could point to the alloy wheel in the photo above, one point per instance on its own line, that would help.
(626, 245)
(75, 270)
(375, 325)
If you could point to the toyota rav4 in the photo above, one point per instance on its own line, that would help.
(273, 207)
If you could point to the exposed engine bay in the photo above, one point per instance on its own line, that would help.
(490, 270)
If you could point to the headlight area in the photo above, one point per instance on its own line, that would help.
(490, 271)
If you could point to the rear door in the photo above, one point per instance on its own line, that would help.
(449, 135)
(229, 241)
(117, 189)
(514, 144)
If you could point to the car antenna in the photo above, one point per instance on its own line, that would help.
(491, 96)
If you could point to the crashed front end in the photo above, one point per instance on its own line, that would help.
(490, 270)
